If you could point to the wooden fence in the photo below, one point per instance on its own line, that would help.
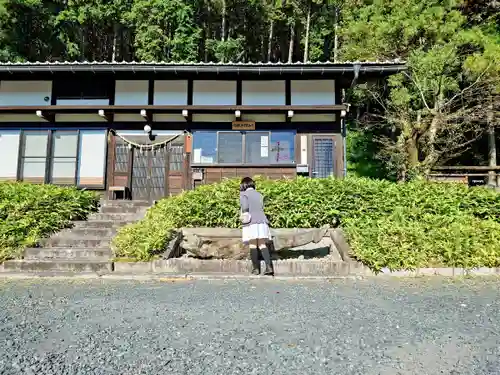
(470, 175)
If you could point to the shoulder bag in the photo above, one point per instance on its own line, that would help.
(245, 217)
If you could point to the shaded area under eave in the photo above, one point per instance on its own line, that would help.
(175, 109)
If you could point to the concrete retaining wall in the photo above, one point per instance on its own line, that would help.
(282, 267)
(292, 268)
(285, 268)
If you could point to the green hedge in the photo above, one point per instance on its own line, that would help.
(400, 226)
(29, 212)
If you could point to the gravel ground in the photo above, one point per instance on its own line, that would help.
(420, 326)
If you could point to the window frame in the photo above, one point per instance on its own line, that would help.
(49, 157)
(244, 163)
(105, 160)
(19, 146)
(22, 153)
(242, 151)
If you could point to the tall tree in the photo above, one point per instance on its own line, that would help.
(435, 111)
(164, 30)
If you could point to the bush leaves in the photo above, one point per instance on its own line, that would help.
(30, 212)
(399, 226)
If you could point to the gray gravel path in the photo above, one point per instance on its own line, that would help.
(250, 327)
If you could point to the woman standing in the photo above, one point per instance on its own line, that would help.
(255, 225)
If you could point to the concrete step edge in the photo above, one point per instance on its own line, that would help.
(72, 248)
(76, 239)
(59, 261)
(125, 202)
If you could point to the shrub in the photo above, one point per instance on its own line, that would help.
(399, 226)
(399, 241)
(29, 212)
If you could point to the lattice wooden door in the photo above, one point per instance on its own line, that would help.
(148, 174)
(323, 157)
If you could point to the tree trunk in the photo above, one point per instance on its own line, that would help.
(270, 42)
(336, 36)
(208, 31)
(115, 43)
(83, 32)
(291, 45)
(223, 31)
(308, 25)
(492, 148)
(263, 54)
(431, 157)
(412, 151)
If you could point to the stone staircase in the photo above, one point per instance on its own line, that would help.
(83, 248)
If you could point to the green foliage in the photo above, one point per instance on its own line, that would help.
(230, 50)
(362, 159)
(400, 226)
(401, 241)
(164, 30)
(435, 110)
(30, 212)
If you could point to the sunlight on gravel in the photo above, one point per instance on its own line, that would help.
(390, 326)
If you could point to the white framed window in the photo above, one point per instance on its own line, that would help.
(9, 152)
(34, 156)
(64, 157)
(245, 148)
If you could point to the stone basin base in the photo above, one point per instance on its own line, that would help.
(225, 243)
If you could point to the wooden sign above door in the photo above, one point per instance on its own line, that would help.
(243, 125)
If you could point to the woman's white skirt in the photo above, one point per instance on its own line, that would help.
(255, 231)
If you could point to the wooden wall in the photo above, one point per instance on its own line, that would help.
(215, 174)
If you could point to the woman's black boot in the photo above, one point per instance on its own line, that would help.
(254, 256)
(267, 260)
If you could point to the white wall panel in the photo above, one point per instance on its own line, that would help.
(25, 93)
(173, 92)
(21, 118)
(262, 117)
(211, 117)
(263, 93)
(168, 117)
(9, 150)
(309, 117)
(303, 149)
(128, 117)
(92, 157)
(80, 118)
(131, 92)
(214, 92)
(313, 92)
(82, 102)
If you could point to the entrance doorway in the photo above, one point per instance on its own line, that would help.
(148, 174)
(323, 156)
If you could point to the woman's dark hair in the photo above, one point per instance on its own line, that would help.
(247, 183)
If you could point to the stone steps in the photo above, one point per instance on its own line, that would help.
(58, 253)
(115, 216)
(121, 210)
(84, 248)
(85, 231)
(36, 266)
(101, 224)
(75, 241)
(138, 203)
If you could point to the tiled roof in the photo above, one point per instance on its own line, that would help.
(345, 67)
(161, 63)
